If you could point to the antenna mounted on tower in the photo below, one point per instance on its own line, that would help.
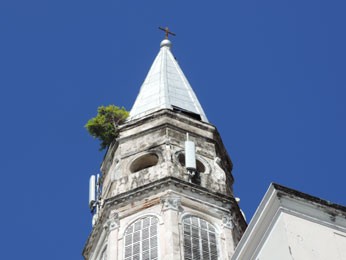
(94, 196)
(92, 191)
(190, 154)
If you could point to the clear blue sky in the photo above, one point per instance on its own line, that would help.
(269, 74)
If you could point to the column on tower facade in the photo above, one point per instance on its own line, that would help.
(170, 244)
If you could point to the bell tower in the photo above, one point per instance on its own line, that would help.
(166, 181)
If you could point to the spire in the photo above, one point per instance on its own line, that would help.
(166, 87)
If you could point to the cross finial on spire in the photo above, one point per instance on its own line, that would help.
(167, 31)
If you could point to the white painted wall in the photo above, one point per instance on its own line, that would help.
(276, 244)
(294, 237)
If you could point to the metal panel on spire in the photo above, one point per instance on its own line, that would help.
(166, 87)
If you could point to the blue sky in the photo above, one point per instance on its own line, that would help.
(269, 74)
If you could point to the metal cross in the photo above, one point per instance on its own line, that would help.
(167, 31)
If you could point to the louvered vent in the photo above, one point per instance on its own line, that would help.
(141, 240)
(199, 239)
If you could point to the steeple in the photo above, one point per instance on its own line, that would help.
(166, 87)
(166, 186)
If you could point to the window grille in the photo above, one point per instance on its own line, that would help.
(141, 240)
(199, 239)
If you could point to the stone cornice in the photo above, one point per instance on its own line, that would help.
(226, 203)
(167, 112)
(164, 182)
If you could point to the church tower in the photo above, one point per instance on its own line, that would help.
(166, 181)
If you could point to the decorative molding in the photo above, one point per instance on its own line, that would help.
(112, 222)
(227, 221)
(171, 202)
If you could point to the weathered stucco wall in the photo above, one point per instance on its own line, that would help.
(166, 140)
(144, 173)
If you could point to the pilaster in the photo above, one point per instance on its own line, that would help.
(227, 240)
(112, 226)
(171, 244)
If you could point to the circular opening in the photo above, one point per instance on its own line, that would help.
(200, 166)
(181, 159)
(143, 162)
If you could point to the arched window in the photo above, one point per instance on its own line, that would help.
(199, 239)
(141, 239)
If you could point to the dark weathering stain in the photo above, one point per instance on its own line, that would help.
(290, 250)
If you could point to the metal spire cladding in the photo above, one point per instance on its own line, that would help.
(166, 87)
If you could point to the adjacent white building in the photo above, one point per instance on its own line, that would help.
(289, 224)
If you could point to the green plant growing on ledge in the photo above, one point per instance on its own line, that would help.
(104, 126)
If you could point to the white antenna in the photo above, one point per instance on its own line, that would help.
(190, 154)
(94, 196)
(98, 182)
(92, 191)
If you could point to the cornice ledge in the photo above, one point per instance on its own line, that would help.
(166, 112)
(164, 182)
